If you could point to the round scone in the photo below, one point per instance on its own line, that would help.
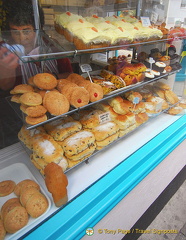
(6, 187)
(35, 111)
(36, 205)
(2, 230)
(22, 88)
(35, 120)
(16, 219)
(175, 110)
(45, 81)
(31, 99)
(27, 183)
(56, 103)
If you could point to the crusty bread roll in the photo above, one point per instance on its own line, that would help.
(91, 119)
(56, 182)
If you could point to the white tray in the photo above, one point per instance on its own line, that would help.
(18, 172)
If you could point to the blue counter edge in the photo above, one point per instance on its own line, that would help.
(93, 204)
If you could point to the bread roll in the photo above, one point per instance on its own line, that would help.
(56, 182)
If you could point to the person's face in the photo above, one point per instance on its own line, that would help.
(24, 35)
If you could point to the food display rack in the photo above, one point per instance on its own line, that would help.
(115, 171)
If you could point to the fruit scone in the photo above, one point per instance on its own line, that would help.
(105, 134)
(79, 146)
(46, 150)
(26, 136)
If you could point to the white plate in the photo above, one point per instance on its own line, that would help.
(18, 172)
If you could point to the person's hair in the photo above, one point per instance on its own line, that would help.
(20, 13)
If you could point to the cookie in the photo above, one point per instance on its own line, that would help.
(35, 111)
(2, 230)
(36, 205)
(22, 88)
(56, 103)
(26, 193)
(6, 187)
(45, 81)
(16, 219)
(31, 99)
(15, 98)
(8, 206)
(35, 120)
(27, 183)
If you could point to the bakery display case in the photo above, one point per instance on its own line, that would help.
(108, 126)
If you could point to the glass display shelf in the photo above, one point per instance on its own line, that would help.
(50, 45)
(73, 110)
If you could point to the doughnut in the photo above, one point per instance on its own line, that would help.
(45, 81)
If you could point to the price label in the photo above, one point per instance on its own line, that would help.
(145, 21)
(85, 68)
(136, 100)
(104, 117)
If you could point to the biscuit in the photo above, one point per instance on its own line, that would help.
(56, 103)
(9, 205)
(31, 99)
(2, 230)
(6, 187)
(16, 219)
(78, 142)
(79, 97)
(36, 111)
(107, 141)
(23, 108)
(45, 81)
(35, 120)
(75, 78)
(36, 205)
(15, 98)
(26, 183)
(26, 193)
(22, 88)
(30, 81)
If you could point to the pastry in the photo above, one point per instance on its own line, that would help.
(78, 142)
(6, 187)
(35, 111)
(91, 119)
(175, 110)
(105, 130)
(149, 75)
(35, 120)
(54, 174)
(120, 105)
(60, 132)
(56, 103)
(47, 149)
(127, 130)
(107, 141)
(171, 97)
(83, 154)
(31, 99)
(16, 219)
(45, 81)
(15, 98)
